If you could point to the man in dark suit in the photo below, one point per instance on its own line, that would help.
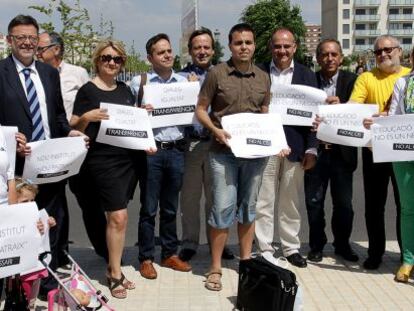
(285, 175)
(31, 99)
(336, 163)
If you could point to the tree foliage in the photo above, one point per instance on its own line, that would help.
(134, 64)
(218, 53)
(266, 15)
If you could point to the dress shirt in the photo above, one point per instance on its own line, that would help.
(329, 86)
(34, 75)
(284, 77)
(169, 133)
(71, 79)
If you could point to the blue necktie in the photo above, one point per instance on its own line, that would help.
(38, 131)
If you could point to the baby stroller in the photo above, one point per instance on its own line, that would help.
(75, 292)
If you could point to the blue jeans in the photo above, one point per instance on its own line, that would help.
(164, 180)
(235, 186)
(330, 167)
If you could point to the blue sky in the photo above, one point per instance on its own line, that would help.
(138, 20)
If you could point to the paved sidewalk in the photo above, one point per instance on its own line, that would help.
(332, 284)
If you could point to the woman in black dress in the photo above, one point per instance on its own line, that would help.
(111, 171)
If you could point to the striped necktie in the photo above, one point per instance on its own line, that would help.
(38, 132)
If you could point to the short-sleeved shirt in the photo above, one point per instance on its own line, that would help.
(375, 87)
(90, 97)
(230, 91)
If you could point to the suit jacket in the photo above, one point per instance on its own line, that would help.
(14, 107)
(299, 138)
(344, 86)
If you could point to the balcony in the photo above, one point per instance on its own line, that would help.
(363, 47)
(400, 2)
(366, 18)
(401, 32)
(367, 33)
(367, 3)
(401, 17)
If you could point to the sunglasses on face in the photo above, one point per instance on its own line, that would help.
(387, 50)
(23, 38)
(108, 58)
(41, 49)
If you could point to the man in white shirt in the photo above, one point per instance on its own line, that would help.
(50, 50)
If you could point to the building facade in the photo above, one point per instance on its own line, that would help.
(312, 38)
(3, 46)
(357, 23)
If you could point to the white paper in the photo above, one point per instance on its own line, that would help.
(19, 238)
(10, 136)
(44, 243)
(393, 138)
(52, 160)
(255, 135)
(174, 103)
(343, 124)
(127, 127)
(297, 104)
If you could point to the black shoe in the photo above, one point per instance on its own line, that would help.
(372, 263)
(227, 254)
(186, 254)
(347, 254)
(315, 256)
(297, 260)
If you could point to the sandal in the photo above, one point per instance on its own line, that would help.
(127, 284)
(117, 288)
(213, 281)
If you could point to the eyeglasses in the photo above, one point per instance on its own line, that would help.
(387, 50)
(41, 49)
(23, 38)
(107, 58)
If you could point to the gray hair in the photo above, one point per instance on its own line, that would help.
(56, 39)
(386, 37)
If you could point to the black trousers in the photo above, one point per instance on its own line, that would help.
(330, 168)
(376, 179)
(52, 198)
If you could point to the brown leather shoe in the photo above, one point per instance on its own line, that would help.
(176, 263)
(147, 270)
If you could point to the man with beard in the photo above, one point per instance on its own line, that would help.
(375, 87)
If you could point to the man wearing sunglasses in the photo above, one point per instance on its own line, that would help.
(31, 100)
(50, 50)
(375, 87)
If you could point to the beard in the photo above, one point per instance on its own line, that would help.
(389, 65)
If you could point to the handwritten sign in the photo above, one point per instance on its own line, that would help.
(255, 135)
(343, 124)
(297, 104)
(52, 160)
(19, 238)
(393, 138)
(174, 103)
(127, 127)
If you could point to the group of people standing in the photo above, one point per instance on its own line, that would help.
(197, 159)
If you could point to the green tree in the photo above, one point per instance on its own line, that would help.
(266, 15)
(177, 63)
(134, 64)
(218, 53)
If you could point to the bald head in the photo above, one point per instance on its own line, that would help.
(283, 47)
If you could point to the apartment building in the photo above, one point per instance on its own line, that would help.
(3, 45)
(312, 38)
(356, 23)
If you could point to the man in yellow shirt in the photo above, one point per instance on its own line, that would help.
(375, 87)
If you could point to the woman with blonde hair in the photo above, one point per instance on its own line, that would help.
(111, 171)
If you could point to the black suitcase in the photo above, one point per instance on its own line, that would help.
(265, 287)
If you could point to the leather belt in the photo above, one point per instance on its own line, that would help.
(167, 145)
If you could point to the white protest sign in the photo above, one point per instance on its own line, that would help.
(393, 138)
(343, 124)
(44, 242)
(174, 103)
(297, 104)
(127, 127)
(10, 136)
(255, 135)
(52, 160)
(19, 238)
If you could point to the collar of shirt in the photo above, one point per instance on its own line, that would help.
(153, 77)
(233, 70)
(20, 66)
(332, 81)
(276, 71)
(61, 66)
